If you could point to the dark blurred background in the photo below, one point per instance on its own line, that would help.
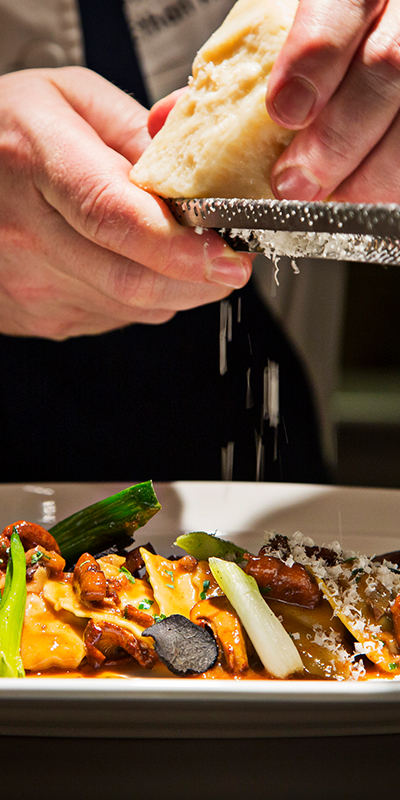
(366, 406)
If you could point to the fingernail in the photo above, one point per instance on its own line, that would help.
(233, 272)
(296, 183)
(294, 103)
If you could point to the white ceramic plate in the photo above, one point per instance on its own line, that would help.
(364, 519)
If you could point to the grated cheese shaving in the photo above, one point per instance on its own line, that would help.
(350, 585)
(303, 244)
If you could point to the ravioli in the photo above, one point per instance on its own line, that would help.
(176, 588)
(50, 639)
(61, 595)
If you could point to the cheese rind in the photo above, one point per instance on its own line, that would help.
(218, 140)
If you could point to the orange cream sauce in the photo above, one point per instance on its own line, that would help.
(53, 646)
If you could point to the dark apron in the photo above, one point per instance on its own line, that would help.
(149, 401)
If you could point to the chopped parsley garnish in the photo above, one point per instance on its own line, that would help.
(393, 665)
(84, 562)
(127, 574)
(356, 574)
(206, 585)
(146, 603)
(171, 575)
(159, 617)
(37, 555)
(266, 589)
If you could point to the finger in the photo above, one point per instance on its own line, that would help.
(87, 182)
(124, 285)
(159, 112)
(56, 268)
(38, 301)
(315, 57)
(59, 321)
(119, 120)
(42, 294)
(352, 123)
(377, 179)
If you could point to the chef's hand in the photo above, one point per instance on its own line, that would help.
(337, 80)
(83, 250)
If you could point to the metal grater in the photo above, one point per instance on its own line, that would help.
(364, 232)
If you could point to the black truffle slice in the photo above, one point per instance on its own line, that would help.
(185, 648)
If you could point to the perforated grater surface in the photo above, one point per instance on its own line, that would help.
(339, 231)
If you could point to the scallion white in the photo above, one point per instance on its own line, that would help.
(271, 641)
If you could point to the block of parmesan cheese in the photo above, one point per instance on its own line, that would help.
(218, 140)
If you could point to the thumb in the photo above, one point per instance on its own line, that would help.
(118, 119)
(83, 177)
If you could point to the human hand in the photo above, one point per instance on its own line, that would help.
(337, 80)
(82, 249)
(160, 110)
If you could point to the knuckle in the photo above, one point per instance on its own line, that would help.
(15, 150)
(382, 50)
(149, 294)
(320, 38)
(135, 285)
(332, 142)
(105, 217)
(370, 8)
(168, 258)
(75, 71)
(95, 207)
(178, 257)
(318, 41)
(383, 181)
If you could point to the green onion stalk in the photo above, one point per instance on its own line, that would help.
(12, 611)
(97, 527)
(271, 641)
(203, 546)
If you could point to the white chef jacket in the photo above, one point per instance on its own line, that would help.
(168, 33)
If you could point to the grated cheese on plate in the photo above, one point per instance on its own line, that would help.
(359, 590)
